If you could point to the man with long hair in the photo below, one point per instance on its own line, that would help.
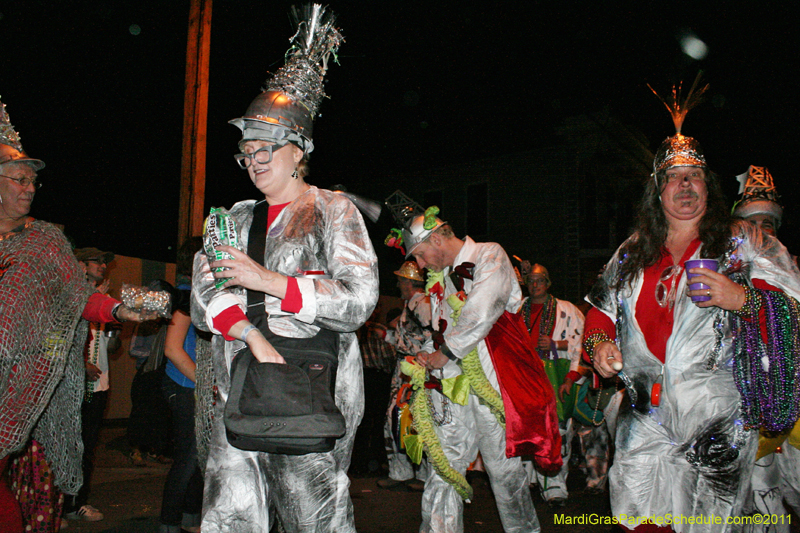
(702, 374)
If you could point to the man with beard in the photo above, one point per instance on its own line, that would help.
(43, 296)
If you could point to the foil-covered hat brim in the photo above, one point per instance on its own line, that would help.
(679, 151)
(749, 208)
(9, 154)
(415, 234)
(681, 160)
(257, 130)
(422, 238)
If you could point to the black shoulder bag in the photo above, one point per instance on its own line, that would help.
(276, 408)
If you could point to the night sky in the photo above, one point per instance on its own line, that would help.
(95, 89)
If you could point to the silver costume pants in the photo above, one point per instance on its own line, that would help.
(474, 428)
(789, 467)
(765, 496)
(555, 486)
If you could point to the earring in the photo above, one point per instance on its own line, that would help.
(295, 175)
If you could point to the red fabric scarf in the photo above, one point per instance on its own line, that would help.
(528, 398)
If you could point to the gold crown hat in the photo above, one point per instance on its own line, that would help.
(679, 150)
(286, 108)
(759, 196)
(410, 270)
(10, 145)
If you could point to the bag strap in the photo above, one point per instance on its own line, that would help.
(256, 244)
(240, 367)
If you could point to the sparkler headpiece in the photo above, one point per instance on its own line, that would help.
(680, 150)
(759, 196)
(10, 145)
(286, 108)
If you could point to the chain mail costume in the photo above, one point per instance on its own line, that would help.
(692, 455)
(42, 294)
(310, 493)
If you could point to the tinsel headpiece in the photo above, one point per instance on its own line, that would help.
(286, 108)
(759, 196)
(679, 150)
(10, 145)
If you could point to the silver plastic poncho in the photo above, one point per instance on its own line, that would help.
(319, 230)
(691, 455)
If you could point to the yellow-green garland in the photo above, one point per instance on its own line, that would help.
(471, 366)
(426, 434)
(472, 377)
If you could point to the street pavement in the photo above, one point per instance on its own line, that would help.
(130, 499)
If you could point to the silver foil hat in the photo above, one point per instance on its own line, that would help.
(419, 228)
(680, 150)
(286, 108)
(10, 145)
(759, 196)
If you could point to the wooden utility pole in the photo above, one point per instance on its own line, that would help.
(195, 117)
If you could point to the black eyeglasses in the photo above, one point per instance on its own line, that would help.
(24, 182)
(262, 155)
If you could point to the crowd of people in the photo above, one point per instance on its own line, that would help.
(679, 382)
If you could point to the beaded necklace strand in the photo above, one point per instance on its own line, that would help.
(548, 315)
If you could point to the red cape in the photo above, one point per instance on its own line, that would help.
(528, 398)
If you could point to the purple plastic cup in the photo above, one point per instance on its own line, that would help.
(710, 264)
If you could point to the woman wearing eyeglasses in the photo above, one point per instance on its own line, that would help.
(319, 273)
